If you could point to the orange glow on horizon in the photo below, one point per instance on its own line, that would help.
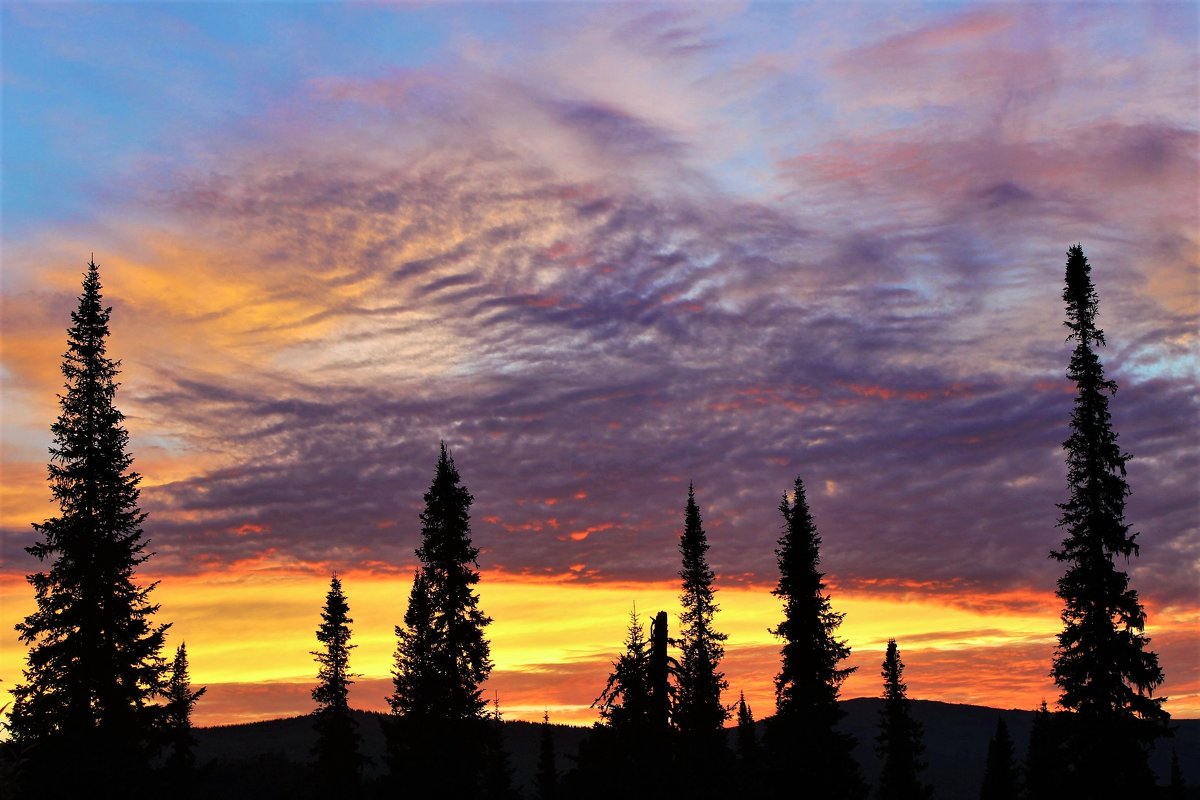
(250, 631)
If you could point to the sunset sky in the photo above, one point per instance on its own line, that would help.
(602, 251)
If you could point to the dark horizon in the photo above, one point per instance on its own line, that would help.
(605, 251)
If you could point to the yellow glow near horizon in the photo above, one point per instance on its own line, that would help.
(257, 627)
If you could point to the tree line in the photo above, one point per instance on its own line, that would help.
(100, 712)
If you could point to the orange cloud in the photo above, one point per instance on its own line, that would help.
(883, 393)
(579, 536)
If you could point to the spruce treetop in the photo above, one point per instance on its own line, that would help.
(439, 738)
(180, 697)
(1102, 664)
(547, 766)
(335, 752)
(810, 676)
(699, 710)
(899, 741)
(1000, 771)
(461, 653)
(94, 666)
(747, 736)
(625, 701)
(334, 677)
(178, 713)
(805, 746)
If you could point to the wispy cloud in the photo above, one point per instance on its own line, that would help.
(622, 251)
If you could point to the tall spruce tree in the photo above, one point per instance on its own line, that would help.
(807, 751)
(439, 737)
(899, 742)
(94, 664)
(699, 713)
(335, 753)
(1102, 664)
(177, 714)
(1000, 771)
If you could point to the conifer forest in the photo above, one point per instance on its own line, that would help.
(99, 694)
(599, 400)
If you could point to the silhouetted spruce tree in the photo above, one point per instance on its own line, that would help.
(749, 778)
(1102, 665)
(621, 754)
(415, 688)
(899, 741)
(497, 777)
(1043, 759)
(699, 715)
(547, 766)
(806, 750)
(747, 737)
(177, 719)
(335, 753)
(415, 679)
(438, 739)
(625, 702)
(1000, 773)
(94, 664)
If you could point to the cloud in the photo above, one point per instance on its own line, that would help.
(538, 263)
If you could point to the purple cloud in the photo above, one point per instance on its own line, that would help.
(596, 285)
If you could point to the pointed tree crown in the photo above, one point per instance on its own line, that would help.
(178, 713)
(1102, 663)
(804, 743)
(626, 699)
(900, 736)
(334, 678)
(94, 665)
(336, 760)
(1000, 771)
(443, 656)
(810, 674)
(699, 710)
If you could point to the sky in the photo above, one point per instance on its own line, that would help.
(603, 251)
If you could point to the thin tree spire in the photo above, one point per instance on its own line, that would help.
(899, 742)
(1103, 666)
(335, 753)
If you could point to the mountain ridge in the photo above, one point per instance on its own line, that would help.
(262, 759)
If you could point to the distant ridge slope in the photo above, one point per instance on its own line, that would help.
(261, 759)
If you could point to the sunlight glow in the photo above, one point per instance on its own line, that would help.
(250, 632)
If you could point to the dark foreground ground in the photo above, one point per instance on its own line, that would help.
(267, 759)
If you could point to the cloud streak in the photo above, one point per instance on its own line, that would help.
(627, 251)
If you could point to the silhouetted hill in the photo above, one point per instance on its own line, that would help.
(267, 759)
(957, 736)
